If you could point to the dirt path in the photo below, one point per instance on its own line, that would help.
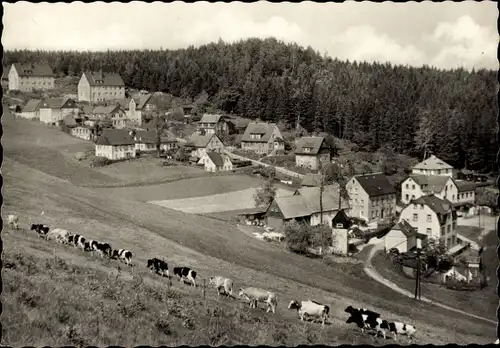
(372, 273)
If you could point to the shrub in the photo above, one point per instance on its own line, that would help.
(99, 161)
(80, 156)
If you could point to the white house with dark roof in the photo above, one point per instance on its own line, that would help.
(403, 237)
(136, 107)
(434, 217)
(311, 151)
(216, 162)
(27, 77)
(113, 113)
(433, 166)
(201, 144)
(115, 144)
(371, 197)
(100, 86)
(31, 110)
(262, 138)
(53, 110)
(213, 124)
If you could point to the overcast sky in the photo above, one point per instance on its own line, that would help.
(444, 35)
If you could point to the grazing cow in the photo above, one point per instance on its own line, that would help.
(310, 309)
(254, 295)
(364, 321)
(158, 266)
(225, 284)
(351, 310)
(185, 272)
(59, 234)
(77, 241)
(87, 246)
(41, 229)
(123, 255)
(398, 328)
(13, 221)
(105, 249)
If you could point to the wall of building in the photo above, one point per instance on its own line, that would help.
(30, 115)
(446, 172)
(308, 161)
(396, 239)
(327, 218)
(29, 83)
(102, 93)
(381, 207)
(83, 89)
(466, 197)
(359, 200)
(340, 239)
(81, 132)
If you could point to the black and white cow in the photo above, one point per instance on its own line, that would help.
(364, 321)
(398, 328)
(77, 241)
(105, 249)
(351, 310)
(123, 255)
(310, 309)
(158, 266)
(185, 272)
(41, 229)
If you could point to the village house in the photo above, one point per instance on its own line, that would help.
(237, 125)
(28, 77)
(99, 86)
(82, 132)
(216, 162)
(201, 144)
(31, 110)
(262, 138)
(304, 206)
(434, 217)
(469, 258)
(112, 113)
(137, 106)
(371, 196)
(145, 140)
(52, 111)
(115, 144)
(403, 237)
(213, 124)
(433, 166)
(311, 152)
(459, 192)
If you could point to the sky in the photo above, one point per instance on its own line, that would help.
(444, 35)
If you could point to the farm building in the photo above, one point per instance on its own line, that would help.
(31, 110)
(433, 166)
(213, 124)
(115, 144)
(263, 138)
(201, 144)
(310, 152)
(304, 206)
(82, 132)
(372, 197)
(216, 162)
(434, 217)
(27, 77)
(403, 237)
(99, 86)
(52, 111)
(311, 180)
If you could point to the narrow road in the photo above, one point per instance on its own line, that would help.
(372, 273)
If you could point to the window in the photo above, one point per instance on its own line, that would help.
(448, 228)
(442, 231)
(407, 186)
(428, 231)
(415, 217)
(407, 197)
(429, 218)
(413, 187)
(414, 206)
(373, 214)
(452, 197)
(454, 225)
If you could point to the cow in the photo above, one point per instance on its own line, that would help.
(351, 310)
(77, 241)
(254, 295)
(225, 284)
(41, 229)
(158, 266)
(364, 321)
(13, 221)
(123, 255)
(59, 234)
(185, 272)
(398, 328)
(310, 309)
(105, 249)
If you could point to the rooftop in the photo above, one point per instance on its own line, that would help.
(36, 69)
(115, 137)
(375, 184)
(314, 144)
(104, 79)
(262, 128)
(433, 163)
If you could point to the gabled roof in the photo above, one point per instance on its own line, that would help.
(438, 205)
(105, 109)
(87, 109)
(36, 69)
(431, 183)
(464, 186)
(293, 206)
(198, 140)
(115, 137)
(433, 163)
(311, 179)
(330, 198)
(314, 144)
(375, 184)
(145, 137)
(32, 105)
(58, 103)
(216, 158)
(211, 118)
(407, 229)
(108, 79)
(239, 123)
(265, 129)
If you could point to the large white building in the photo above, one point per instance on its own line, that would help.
(27, 77)
(53, 110)
(98, 86)
(433, 166)
(115, 144)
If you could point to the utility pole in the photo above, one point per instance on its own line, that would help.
(417, 278)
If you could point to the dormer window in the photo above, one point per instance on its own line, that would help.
(255, 136)
(307, 149)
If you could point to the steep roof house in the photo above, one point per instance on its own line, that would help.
(53, 110)
(213, 123)
(27, 77)
(310, 152)
(403, 237)
(216, 162)
(100, 86)
(262, 138)
(112, 112)
(32, 109)
(433, 166)
(115, 144)
(372, 197)
(201, 144)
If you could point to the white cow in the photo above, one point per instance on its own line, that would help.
(274, 236)
(222, 283)
(398, 328)
(310, 309)
(58, 234)
(13, 221)
(254, 295)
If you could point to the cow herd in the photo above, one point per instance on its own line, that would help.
(363, 318)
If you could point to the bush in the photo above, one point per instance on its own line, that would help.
(80, 156)
(99, 161)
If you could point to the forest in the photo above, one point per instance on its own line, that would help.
(413, 110)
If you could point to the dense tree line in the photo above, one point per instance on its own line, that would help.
(451, 113)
